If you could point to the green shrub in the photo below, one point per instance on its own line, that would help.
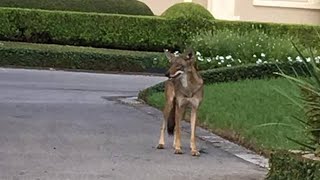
(128, 32)
(286, 165)
(188, 10)
(305, 34)
(252, 71)
(97, 30)
(238, 73)
(131, 7)
(310, 104)
(84, 58)
(228, 48)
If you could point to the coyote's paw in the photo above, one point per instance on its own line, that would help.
(160, 146)
(178, 151)
(195, 153)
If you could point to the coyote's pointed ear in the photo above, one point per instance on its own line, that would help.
(168, 54)
(189, 54)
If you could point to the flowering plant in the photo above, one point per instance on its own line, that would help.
(227, 48)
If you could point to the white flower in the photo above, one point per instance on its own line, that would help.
(219, 63)
(222, 61)
(289, 58)
(221, 57)
(309, 59)
(155, 59)
(263, 55)
(265, 62)
(259, 61)
(208, 59)
(198, 53)
(228, 65)
(298, 58)
(200, 59)
(229, 57)
(277, 60)
(257, 44)
(317, 61)
(254, 56)
(239, 60)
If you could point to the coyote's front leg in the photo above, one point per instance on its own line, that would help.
(177, 130)
(161, 140)
(193, 119)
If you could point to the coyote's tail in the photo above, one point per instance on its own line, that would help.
(171, 118)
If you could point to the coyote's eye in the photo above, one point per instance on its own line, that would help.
(180, 67)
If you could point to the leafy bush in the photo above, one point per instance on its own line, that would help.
(304, 34)
(286, 165)
(310, 96)
(97, 30)
(243, 72)
(252, 71)
(188, 10)
(131, 7)
(228, 48)
(128, 32)
(84, 58)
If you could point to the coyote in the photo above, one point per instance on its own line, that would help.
(184, 88)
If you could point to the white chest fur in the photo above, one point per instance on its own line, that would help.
(194, 102)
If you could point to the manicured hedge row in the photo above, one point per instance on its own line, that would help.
(306, 34)
(238, 73)
(65, 57)
(146, 33)
(131, 7)
(252, 71)
(187, 9)
(286, 165)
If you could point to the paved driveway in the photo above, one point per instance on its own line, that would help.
(58, 125)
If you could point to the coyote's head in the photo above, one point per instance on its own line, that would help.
(180, 64)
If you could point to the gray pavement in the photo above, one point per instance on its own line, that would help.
(59, 125)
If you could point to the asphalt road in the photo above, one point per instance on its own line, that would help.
(58, 125)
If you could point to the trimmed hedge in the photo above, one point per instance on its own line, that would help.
(286, 165)
(237, 73)
(130, 7)
(252, 71)
(97, 30)
(145, 33)
(305, 34)
(66, 57)
(188, 10)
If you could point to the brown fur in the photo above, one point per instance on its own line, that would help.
(183, 89)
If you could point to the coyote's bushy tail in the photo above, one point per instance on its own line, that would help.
(171, 118)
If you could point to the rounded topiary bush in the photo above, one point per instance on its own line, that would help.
(129, 7)
(187, 9)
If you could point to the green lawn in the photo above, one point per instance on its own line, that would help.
(238, 111)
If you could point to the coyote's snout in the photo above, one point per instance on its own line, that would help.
(184, 88)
